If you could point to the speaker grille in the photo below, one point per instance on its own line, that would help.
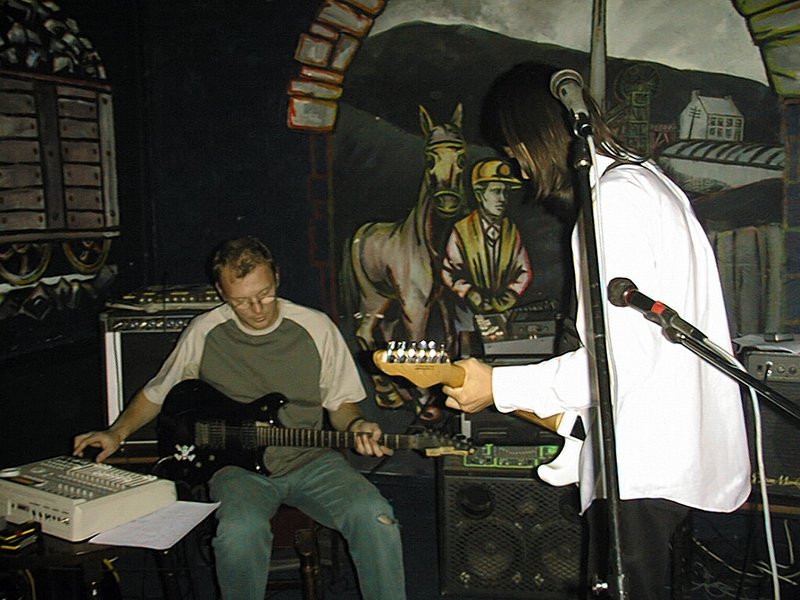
(509, 537)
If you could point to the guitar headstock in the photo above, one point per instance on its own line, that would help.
(434, 444)
(415, 352)
(423, 363)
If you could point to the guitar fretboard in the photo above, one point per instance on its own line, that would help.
(218, 434)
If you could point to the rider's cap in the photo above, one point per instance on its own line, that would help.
(493, 170)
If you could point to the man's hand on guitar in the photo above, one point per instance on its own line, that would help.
(476, 392)
(368, 435)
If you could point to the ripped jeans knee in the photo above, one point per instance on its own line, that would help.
(387, 520)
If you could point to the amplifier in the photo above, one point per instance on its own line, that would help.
(502, 335)
(135, 345)
(161, 298)
(490, 426)
(781, 434)
(774, 367)
(506, 535)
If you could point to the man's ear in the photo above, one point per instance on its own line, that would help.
(219, 291)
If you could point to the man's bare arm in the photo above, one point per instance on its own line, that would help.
(348, 417)
(136, 415)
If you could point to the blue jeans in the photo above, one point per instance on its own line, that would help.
(328, 490)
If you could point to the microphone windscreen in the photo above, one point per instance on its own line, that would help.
(617, 288)
(564, 76)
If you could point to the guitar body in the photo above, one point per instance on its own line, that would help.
(200, 430)
(194, 402)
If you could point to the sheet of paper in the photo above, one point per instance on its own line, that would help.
(159, 530)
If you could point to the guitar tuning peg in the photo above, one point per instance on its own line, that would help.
(442, 354)
(390, 351)
(401, 352)
(422, 351)
(431, 351)
(412, 352)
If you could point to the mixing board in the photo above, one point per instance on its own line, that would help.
(74, 498)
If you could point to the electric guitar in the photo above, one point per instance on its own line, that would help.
(424, 365)
(200, 430)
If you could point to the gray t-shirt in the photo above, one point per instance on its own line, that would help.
(302, 356)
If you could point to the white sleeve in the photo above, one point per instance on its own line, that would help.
(182, 363)
(545, 388)
(339, 378)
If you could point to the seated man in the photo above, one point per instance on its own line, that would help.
(257, 343)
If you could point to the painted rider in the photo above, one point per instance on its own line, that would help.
(485, 261)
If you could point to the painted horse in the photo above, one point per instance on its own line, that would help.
(396, 266)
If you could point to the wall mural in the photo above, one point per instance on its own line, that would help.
(58, 196)
(394, 268)
(486, 263)
(717, 134)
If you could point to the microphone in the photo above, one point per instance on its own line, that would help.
(623, 292)
(567, 86)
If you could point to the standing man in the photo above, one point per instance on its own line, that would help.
(254, 344)
(680, 433)
(485, 262)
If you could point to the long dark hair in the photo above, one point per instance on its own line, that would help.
(521, 114)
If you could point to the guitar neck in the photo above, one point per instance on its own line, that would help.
(451, 374)
(218, 434)
(267, 435)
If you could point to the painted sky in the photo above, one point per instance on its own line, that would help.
(705, 35)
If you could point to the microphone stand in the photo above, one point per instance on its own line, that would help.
(698, 344)
(582, 165)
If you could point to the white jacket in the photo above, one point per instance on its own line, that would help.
(679, 426)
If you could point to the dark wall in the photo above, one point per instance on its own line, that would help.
(203, 153)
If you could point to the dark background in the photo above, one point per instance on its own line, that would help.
(204, 153)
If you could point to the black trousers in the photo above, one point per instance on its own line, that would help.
(647, 527)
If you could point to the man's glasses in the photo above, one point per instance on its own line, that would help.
(264, 297)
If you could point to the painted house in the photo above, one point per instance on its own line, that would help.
(710, 118)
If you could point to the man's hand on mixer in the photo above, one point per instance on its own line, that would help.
(107, 441)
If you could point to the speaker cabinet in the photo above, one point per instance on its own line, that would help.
(505, 534)
(135, 345)
(781, 434)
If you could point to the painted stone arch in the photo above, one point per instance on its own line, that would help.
(58, 188)
(324, 53)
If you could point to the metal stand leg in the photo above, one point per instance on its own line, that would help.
(306, 546)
